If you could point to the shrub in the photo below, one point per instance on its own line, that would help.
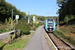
(66, 19)
(23, 26)
(36, 24)
(73, 31)
(58, 32)
(61, 34)
(2, 30)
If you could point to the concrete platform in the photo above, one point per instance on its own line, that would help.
(37, 41)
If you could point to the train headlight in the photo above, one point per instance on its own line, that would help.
(50, 27)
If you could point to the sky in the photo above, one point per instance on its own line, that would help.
(37, 7)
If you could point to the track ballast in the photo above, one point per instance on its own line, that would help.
(60, 44)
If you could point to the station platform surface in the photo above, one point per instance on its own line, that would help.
(37, 41)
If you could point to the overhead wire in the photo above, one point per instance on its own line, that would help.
(51, 10)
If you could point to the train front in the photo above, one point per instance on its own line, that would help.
(50, 24)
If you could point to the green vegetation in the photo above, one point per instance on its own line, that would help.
(36, 24)
(5, 11)
(18, 43)
(59, 33)
(7, 27)
(66, 11)
(66, 19)
(2, 30)
(66, 37)
(23, 26)
(67, 16)
(73, 31)
(64, 30)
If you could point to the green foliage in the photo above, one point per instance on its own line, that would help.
(5, 20)
(59, 33)
(66, 19)
(41, 18)
(36, 24)
(6, 9)
(73, 31)
(65, 36)
(67, 8)
(14, 35)
(9, 27)
(16, 44)
(64, 30)
(2, 30)
(23, 26)
(31, 19)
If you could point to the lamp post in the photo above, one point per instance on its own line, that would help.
(33, 21)
(12, 14)
(27, 15)
(57, 19)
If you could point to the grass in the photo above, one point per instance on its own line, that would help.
(73, 31)
(64, 30)
(65, 36)
(2, 30)
(18, 44)
(58, 33)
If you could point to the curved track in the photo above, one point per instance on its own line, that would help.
(60, 44)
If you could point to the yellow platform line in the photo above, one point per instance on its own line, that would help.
(50, 44)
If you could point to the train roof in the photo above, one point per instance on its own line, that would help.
(50, 19)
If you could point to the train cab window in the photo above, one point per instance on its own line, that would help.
(50, 22)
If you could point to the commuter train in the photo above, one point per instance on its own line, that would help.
(50, 25)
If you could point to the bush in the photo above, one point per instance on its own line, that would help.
(2, 30)
(73, 31)
(36, 24)
(23, 26)
(59, 33)
(66, 19)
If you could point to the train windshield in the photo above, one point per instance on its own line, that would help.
(50, 22)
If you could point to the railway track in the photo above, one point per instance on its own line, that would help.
(59, 43)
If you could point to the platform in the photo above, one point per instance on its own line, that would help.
(37, 41)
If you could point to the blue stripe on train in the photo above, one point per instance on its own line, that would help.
(46, 25)
(54, 24)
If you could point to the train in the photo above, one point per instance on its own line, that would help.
(50, 25)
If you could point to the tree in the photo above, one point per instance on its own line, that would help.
(2, 10)
(67, 7)
(66, 19)
(6, 9)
